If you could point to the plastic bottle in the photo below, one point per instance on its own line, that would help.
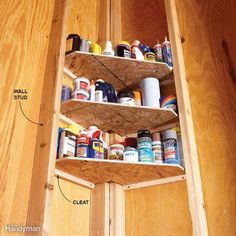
(108, 49)
(166, 52)
(158, 52)
(136, 52)
(92, 91)
(157, 148)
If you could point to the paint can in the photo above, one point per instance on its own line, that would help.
(96, 149)
(81, 83)
(169, 102)
(130, 154)
(65, 93)
(158, 52)
(145, 146)
(115, 152)
(123, 49)
(72, 43)
(150, 56)
(157, 148)
(80, 94)
(150, 90)
(166, 53)
(171, 155)
(82, 148)
(126, 98)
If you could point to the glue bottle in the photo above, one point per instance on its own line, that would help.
(166, 52)
(158, 52)
(108, 49)
(136, 52)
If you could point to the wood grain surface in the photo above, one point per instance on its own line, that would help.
(120, 118)
(101, 171)
(160, 210)
(122, 73)
(208, 32)
(67, 218)
(25, 28)
(144, 20)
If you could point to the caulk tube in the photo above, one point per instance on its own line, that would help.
(150, 90)
(166, 52)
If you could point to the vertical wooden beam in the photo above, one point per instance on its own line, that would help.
(45, 151)
(103, 22)
(117, 210)
(99, 210)
(116, 32)
(193, 177)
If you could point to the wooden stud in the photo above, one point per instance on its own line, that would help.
(195, 193)
(99, 210)
(117, 210)
(45, 151)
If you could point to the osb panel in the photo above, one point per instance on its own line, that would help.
(160, 210)
(25, 28)
(69, 219)
(120, 72)
(208, 29)
(122, 119)
(144, 20)
(101, 171)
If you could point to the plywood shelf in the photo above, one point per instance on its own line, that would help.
(121, 172)
(122, 73)
(120, 118)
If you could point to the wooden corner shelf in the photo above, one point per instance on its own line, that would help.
(121, 72)
(121, 172)
(120, 118)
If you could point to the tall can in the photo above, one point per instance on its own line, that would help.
(166, 52)
(157, 148)
(171, 154)
(145, 146)
(158, 52)
(96, 149)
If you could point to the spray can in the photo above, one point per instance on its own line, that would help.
(157, 148)
(145, 146)
(158, 52)
(96, 149)
(166, 52)
(171, 154)
(82, 148)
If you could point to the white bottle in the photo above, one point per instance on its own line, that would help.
(108, 49)
(136, 52)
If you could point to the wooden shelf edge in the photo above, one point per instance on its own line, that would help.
(151, 183)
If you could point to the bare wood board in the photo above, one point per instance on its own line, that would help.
(120, 118)
(121, 72)
(121, 172)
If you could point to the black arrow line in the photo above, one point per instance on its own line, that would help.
(61, 190)
(40, 124)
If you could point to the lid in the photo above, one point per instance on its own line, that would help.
(118, 145)
(108, 46)
(124, 43)
(165, 42)
(83, 131)
(81, 91)
(144, 133)
(82, 79)
(130, 149)
(156, 137)
(128, 94)
(131, 142)
(74, 129)
(169, 134)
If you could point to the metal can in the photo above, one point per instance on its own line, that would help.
(96, 149)
(115, 152)
(130, 154)
(65, 93)
(158, 52)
